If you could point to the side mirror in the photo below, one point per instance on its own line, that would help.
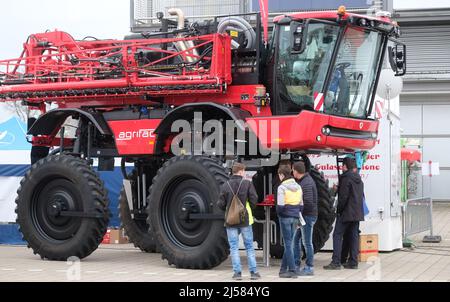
(299, 34)
(397, 58)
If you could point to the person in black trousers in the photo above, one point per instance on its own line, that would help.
(350, 212)
(345, 255)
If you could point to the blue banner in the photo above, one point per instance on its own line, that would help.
(13, 135)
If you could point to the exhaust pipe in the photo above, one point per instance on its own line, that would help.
(179, 13)
(183, 45)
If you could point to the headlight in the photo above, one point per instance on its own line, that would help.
(326, 131)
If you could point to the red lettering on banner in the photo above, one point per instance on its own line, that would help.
(371, 168)
(326, 167)
(373, 156)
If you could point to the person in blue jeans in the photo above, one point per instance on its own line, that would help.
(289, 204)
(246, 192)
(233, 240)
(304, 235)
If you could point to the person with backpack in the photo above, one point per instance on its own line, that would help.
(237, 197)
(289, 206)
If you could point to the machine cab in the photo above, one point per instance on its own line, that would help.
(330, 63)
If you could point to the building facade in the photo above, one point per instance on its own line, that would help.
(425, 101)
(144, 12)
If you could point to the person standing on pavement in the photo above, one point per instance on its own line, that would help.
(304, 234)
(276, 179)
(347, 238)
(345, 252)
(350, 212)
(246, 192)
(289, 206)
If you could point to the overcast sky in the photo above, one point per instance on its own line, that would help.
(99, 18)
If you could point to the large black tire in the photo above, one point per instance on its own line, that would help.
(324, 224)
(327, 214)
(70, 183)
(188, 181)
(138, 231)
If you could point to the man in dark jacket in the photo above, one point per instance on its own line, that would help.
(310, 213)
(347, 239)
(246, 192)
(350, 212)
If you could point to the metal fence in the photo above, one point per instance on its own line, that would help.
(417, 216)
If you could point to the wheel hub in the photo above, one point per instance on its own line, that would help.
(193, 203)
(183, 198)
(56, 197)
(56, 207)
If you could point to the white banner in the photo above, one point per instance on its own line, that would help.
(14, 156)
(8, 196)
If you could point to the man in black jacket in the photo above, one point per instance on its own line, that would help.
(350, 212)
(246, 192)
(310, 214)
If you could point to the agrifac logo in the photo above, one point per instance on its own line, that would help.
(141, 133)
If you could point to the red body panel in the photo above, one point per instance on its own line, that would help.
(106, 75)
(300, 132)
(135, 137)
(240, 95)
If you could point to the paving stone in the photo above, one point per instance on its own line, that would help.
(119, 263)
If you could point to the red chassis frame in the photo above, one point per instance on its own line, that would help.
(55, 68)
(55, 62)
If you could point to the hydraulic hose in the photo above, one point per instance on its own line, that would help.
(242, 24)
